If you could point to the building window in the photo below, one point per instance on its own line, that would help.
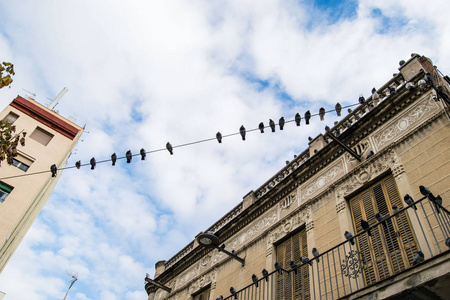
(5, 190)
(42, 136)
(292, 249)
(11, 117)
(389, 247)
(202, 295)
(18, 164)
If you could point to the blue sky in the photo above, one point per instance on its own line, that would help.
(144, 73)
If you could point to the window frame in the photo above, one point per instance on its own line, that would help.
(38, 137)
(364, 204)
(5, 191)
(11, 115)
(299, 280)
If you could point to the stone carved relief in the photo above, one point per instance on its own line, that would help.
(247, 235)
(203, 281)
(287, 202)
(405, 122)
(322, 180)
(287, 225)
(388, 160)
(187, 276)
(361, 149)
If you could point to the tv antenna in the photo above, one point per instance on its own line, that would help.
(30, 93)
(57, 98)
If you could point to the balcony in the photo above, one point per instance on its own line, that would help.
(404, 255)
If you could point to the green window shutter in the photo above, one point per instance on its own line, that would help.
(6, 188)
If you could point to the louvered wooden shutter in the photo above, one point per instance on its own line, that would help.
(293, 286)
(389, 248)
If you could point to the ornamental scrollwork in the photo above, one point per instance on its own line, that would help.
(352, 265)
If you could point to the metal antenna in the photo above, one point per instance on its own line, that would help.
(30, 93)
(56, 100)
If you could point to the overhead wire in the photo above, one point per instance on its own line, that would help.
(164, 149)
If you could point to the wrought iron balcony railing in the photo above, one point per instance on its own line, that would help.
(394, 244)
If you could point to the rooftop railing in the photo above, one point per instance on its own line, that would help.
(401, 241)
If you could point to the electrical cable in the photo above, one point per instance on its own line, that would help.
(164, 149)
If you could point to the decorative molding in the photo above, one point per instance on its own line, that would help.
(361, 176)
(288, 201)
(322, 180)
(180, 255)
(361, 149)
(340, 205)
(189, 275)
(203, 281)
(405, 122)
(287, 225)
(255, 229)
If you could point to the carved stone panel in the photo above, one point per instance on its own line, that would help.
(289, 224)
(256, 229)
(204, 280)
(361, 176)
(322, 180)
(405, 122)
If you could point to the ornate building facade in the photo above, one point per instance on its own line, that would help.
(50, 140)
(337, 221)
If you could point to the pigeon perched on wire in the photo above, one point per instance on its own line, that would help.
(409, 200)
(78, 164)
(349, 237)
(281, 123)
(261, 127)
(298, 119)
(53, 169)
(93, 163)
(322, 113)
(305, 260)
(307, 117)
(315, 253)
(242, 132)
(129, 156)
(447, 242)
(380, 218)
(361, 99)
(219, 298)
(338, 109)
(272, 125)
(219, 137)
(365, 225)
(169, 148)
(143, 153)
(114, 158)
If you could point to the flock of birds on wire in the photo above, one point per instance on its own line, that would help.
(417, 258)
(219, 136)
(242, 131)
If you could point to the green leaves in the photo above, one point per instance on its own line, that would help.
(9, 141)
(9, 69)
